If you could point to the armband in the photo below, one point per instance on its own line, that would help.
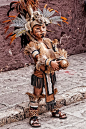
(48, 62)
(34, 53)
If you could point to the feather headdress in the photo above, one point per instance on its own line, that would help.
(25, 25)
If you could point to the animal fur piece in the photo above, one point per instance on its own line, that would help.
(45, 53)
(40, 96)
(59, 54)
(28, 50)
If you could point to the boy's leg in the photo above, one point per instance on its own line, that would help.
(37, 91)
(33, 110)
(53, 108)
(57, 113)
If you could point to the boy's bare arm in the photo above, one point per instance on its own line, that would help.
(55, 65)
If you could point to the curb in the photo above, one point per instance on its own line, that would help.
(21, 111)
(10, 116)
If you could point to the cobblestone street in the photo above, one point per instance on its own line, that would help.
(76, 119)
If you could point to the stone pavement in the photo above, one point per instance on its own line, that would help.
(76, 119)
(71, 85)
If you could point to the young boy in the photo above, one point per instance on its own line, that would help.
(47, 57)
(43, 77)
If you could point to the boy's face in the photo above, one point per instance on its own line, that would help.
(39, 31)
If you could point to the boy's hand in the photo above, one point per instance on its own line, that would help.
(55, 65)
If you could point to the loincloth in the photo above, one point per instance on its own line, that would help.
(37, 79)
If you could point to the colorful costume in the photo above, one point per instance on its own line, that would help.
(40, 76)
(45, 75)
(43, 52)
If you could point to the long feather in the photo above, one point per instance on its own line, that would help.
(47, 13)
(16, 31)
(6, 28)
(65, 22)
(56, 11)
(51, 10)
(7, 21)
(20, 32)
(9, 35)
(51, 13)
(18, 22)
(23, 18)
(12, 39)
(45, 6)
(40, 11)
(13, 16)
(63, 18)
(58, 24)
(44, 12)
(16, 25)
(23, 5)
(56, 18)
(13, 36)
(54, 22)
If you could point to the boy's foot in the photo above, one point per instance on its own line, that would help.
(59, 114)
(34, 122)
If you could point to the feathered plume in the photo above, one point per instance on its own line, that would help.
(20, 24)
(23, 26)
(49, 18)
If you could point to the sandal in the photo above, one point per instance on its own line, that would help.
(59, 114)
(34, 122)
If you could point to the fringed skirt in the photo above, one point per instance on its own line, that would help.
(37, 79)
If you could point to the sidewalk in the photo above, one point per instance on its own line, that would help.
(76, 119)
(71, 85)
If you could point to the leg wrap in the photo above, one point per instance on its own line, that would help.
(55, 109)
(33, 105)
(33, 110)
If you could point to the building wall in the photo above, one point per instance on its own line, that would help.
(72, 36)
(5, 2)
(74, 40)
